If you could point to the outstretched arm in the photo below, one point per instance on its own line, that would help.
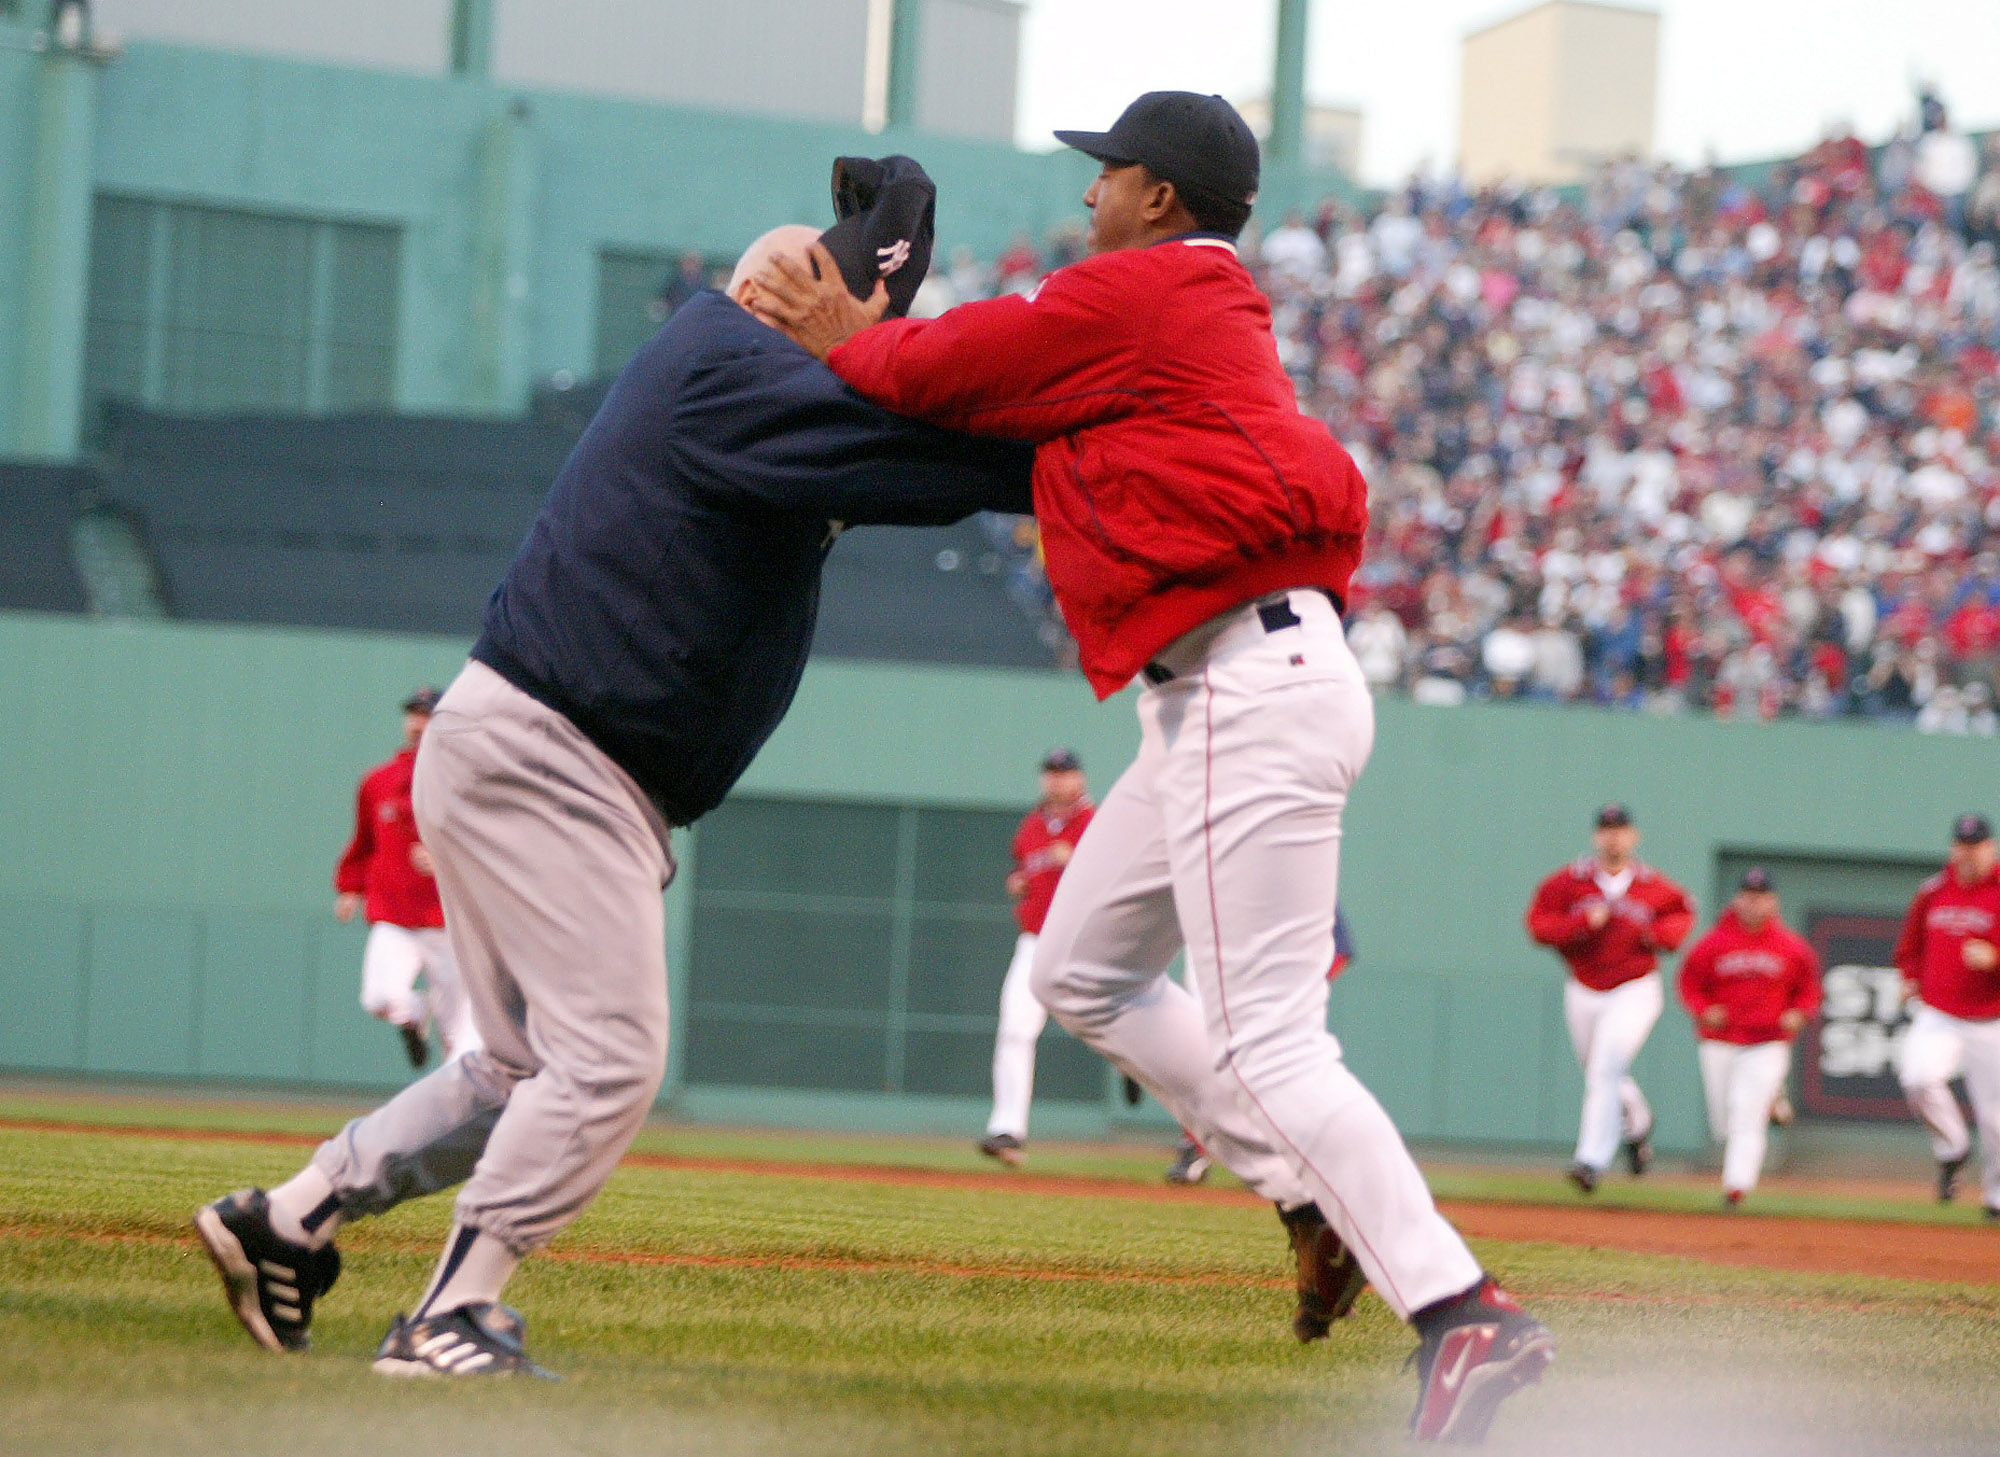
(1024, 366)
(783, 433)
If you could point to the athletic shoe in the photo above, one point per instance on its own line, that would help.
(1330, 1278)
(1477, 1351)
(1129, 1089)
(1993, 1214)
(1004, 1147)
(416, 1047)
(1782, 1111)
(1732, 1200)
(1190, 1166)
(484, 1339)
(1639, 1153)
(1948, 1176)
(270, 1282)
(1584, 1177)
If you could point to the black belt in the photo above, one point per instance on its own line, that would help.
(1275, 616)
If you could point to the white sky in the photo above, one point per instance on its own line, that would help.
(1743, 78)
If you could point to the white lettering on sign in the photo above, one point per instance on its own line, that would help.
(1862, 1023)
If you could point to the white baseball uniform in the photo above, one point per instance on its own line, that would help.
(1022, 1019)
(1224, 837)
(394, 959)
(1608, 1029)
(1741, 1083)
(1937, 1048)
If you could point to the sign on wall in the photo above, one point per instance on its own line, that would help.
(1848, 1059)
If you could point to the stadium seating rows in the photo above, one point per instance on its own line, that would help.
(405, 523)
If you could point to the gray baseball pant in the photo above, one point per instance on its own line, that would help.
(551, 863)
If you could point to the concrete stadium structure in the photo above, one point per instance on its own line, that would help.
(209, 228)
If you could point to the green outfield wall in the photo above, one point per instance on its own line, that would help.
(173, 797)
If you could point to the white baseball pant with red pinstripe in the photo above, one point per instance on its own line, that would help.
(1224, 835)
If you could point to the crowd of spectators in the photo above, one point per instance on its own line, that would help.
(1723, 441)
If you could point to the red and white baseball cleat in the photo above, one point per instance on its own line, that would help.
(1477, 1350)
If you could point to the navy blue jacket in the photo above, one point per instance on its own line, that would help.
(665, 598)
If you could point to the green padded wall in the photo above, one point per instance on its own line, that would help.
(173, 796)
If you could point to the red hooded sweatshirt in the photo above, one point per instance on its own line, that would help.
(1754, 976)
(377, 861)
(1174, 475)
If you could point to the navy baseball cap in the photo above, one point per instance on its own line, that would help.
(1061, 761)
(1613, 816)
(886, 221)
(1757, 879)
(424, 700)
(1970, 829)
(1199, 143)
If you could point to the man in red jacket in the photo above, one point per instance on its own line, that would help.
(1200, 532)
(1949, 954)
(1610, 917)
(1043, 846)
(386, 874)
(1751, 984)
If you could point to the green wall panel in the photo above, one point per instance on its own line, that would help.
(1489, 1026)
(957, 963)
(42, 947)
(143, 991)
(344, 1043)
(256, 978)
(1388, 1028)
(203, 776)
(1559, 1081)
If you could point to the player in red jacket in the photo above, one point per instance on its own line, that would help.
(1200, 532)
(1751, 985)
(1610, 917)
(1042, 847)
(385, 873)
(1949, 954)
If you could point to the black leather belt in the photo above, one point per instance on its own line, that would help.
(1275, 616)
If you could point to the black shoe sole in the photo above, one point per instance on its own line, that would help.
(239, 1277)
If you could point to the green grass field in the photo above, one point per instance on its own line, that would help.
(704, 1311)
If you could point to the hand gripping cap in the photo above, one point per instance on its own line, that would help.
(887, 221)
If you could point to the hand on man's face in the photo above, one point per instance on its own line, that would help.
(818, 313)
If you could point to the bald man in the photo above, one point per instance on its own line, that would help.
(644, 644)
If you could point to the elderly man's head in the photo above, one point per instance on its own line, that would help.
(788, 240)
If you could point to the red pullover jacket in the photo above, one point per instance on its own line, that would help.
(377, 861)
(1653, 915)
(1931, 951)
(1040, 830)
(1754, 976)
(1174, 475)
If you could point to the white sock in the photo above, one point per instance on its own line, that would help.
(473, 1269)
(303, 1209)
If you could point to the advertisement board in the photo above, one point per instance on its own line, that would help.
(1847, 1059)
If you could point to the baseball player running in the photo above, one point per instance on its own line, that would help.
(1610, 917)
(1042, 847)
(645, 642)
(1949, 954)
(386, 875)
(1199, 532)
(1751, 985)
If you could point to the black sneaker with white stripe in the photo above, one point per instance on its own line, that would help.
(270, 1282)
(484, 1339)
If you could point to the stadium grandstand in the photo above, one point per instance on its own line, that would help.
(1723, 441)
